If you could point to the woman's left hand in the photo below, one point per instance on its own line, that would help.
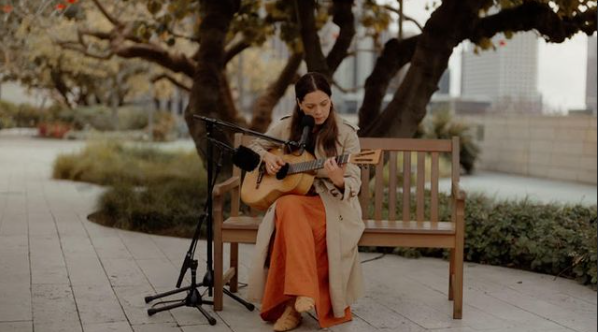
(336, 173)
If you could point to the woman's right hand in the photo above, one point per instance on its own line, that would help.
(273, 163)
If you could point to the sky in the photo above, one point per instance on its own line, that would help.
(557, 63)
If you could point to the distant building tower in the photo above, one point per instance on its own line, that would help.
(444, 85)
(506, 77)
(591, 76)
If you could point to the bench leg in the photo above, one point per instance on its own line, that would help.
(234, 263)
(458, 286)
(451, 274)
(218, 272)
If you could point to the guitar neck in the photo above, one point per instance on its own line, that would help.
(317, 164)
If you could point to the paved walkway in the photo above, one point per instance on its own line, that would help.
(59, 272)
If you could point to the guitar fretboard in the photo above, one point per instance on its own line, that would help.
(315, 164)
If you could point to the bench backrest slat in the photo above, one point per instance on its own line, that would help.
(421, 183)
(456, 166)
(364, 193)
(379, 191)
(392, 186)
(406, 185)
(434, 188)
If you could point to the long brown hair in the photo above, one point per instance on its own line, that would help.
(327, 135)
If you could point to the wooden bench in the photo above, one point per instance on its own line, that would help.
(404, 231)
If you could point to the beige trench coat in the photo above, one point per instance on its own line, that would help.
(344, 225)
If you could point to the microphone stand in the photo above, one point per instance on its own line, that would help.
(194, 298)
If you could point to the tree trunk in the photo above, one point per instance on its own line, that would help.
(342, 11)
(444, 30)
(207, 97)
(314, 57)
(60, 86)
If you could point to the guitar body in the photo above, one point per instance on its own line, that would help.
(260, 190)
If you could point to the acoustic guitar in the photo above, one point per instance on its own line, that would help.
(260, 189)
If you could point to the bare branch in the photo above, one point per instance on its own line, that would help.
(182, 36)
(405, 17)
(109, 17)
(97, 34)
(75, 46)
(345, 90)
(175, 62)
(235, 49)
(172, 80)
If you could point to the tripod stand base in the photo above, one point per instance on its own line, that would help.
(193, 300)
(247, 305)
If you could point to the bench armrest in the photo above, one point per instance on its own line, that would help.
(218, 200)
(458, 206)
(223, 187)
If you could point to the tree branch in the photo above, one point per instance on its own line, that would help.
(345, 90)
(172, 80)
(74, 46)
(235, 49)
(314, 57)
(109, 17)
(405, 17)
(395, 55)
(343, 17)
(535, 16)
(96, 34)
(175, 62)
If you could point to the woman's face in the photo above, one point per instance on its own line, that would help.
(316, 104)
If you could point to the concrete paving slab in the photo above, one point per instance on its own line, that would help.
(54, 304)
(108, 327)
(98, 304)
(16, 326)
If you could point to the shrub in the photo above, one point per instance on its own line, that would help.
(23, 115)
(172, 208)
(103, 118)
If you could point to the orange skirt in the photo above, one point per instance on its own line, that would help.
(299, 260)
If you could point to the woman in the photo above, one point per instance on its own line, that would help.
(306, 253)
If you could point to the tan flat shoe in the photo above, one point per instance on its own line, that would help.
(289, 320)
(304, 304)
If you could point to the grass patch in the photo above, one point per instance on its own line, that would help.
(171, 208)
(113, 163)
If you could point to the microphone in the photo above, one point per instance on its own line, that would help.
(245, 158)
(307, 122)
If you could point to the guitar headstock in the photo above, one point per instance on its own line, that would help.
(366, 157)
